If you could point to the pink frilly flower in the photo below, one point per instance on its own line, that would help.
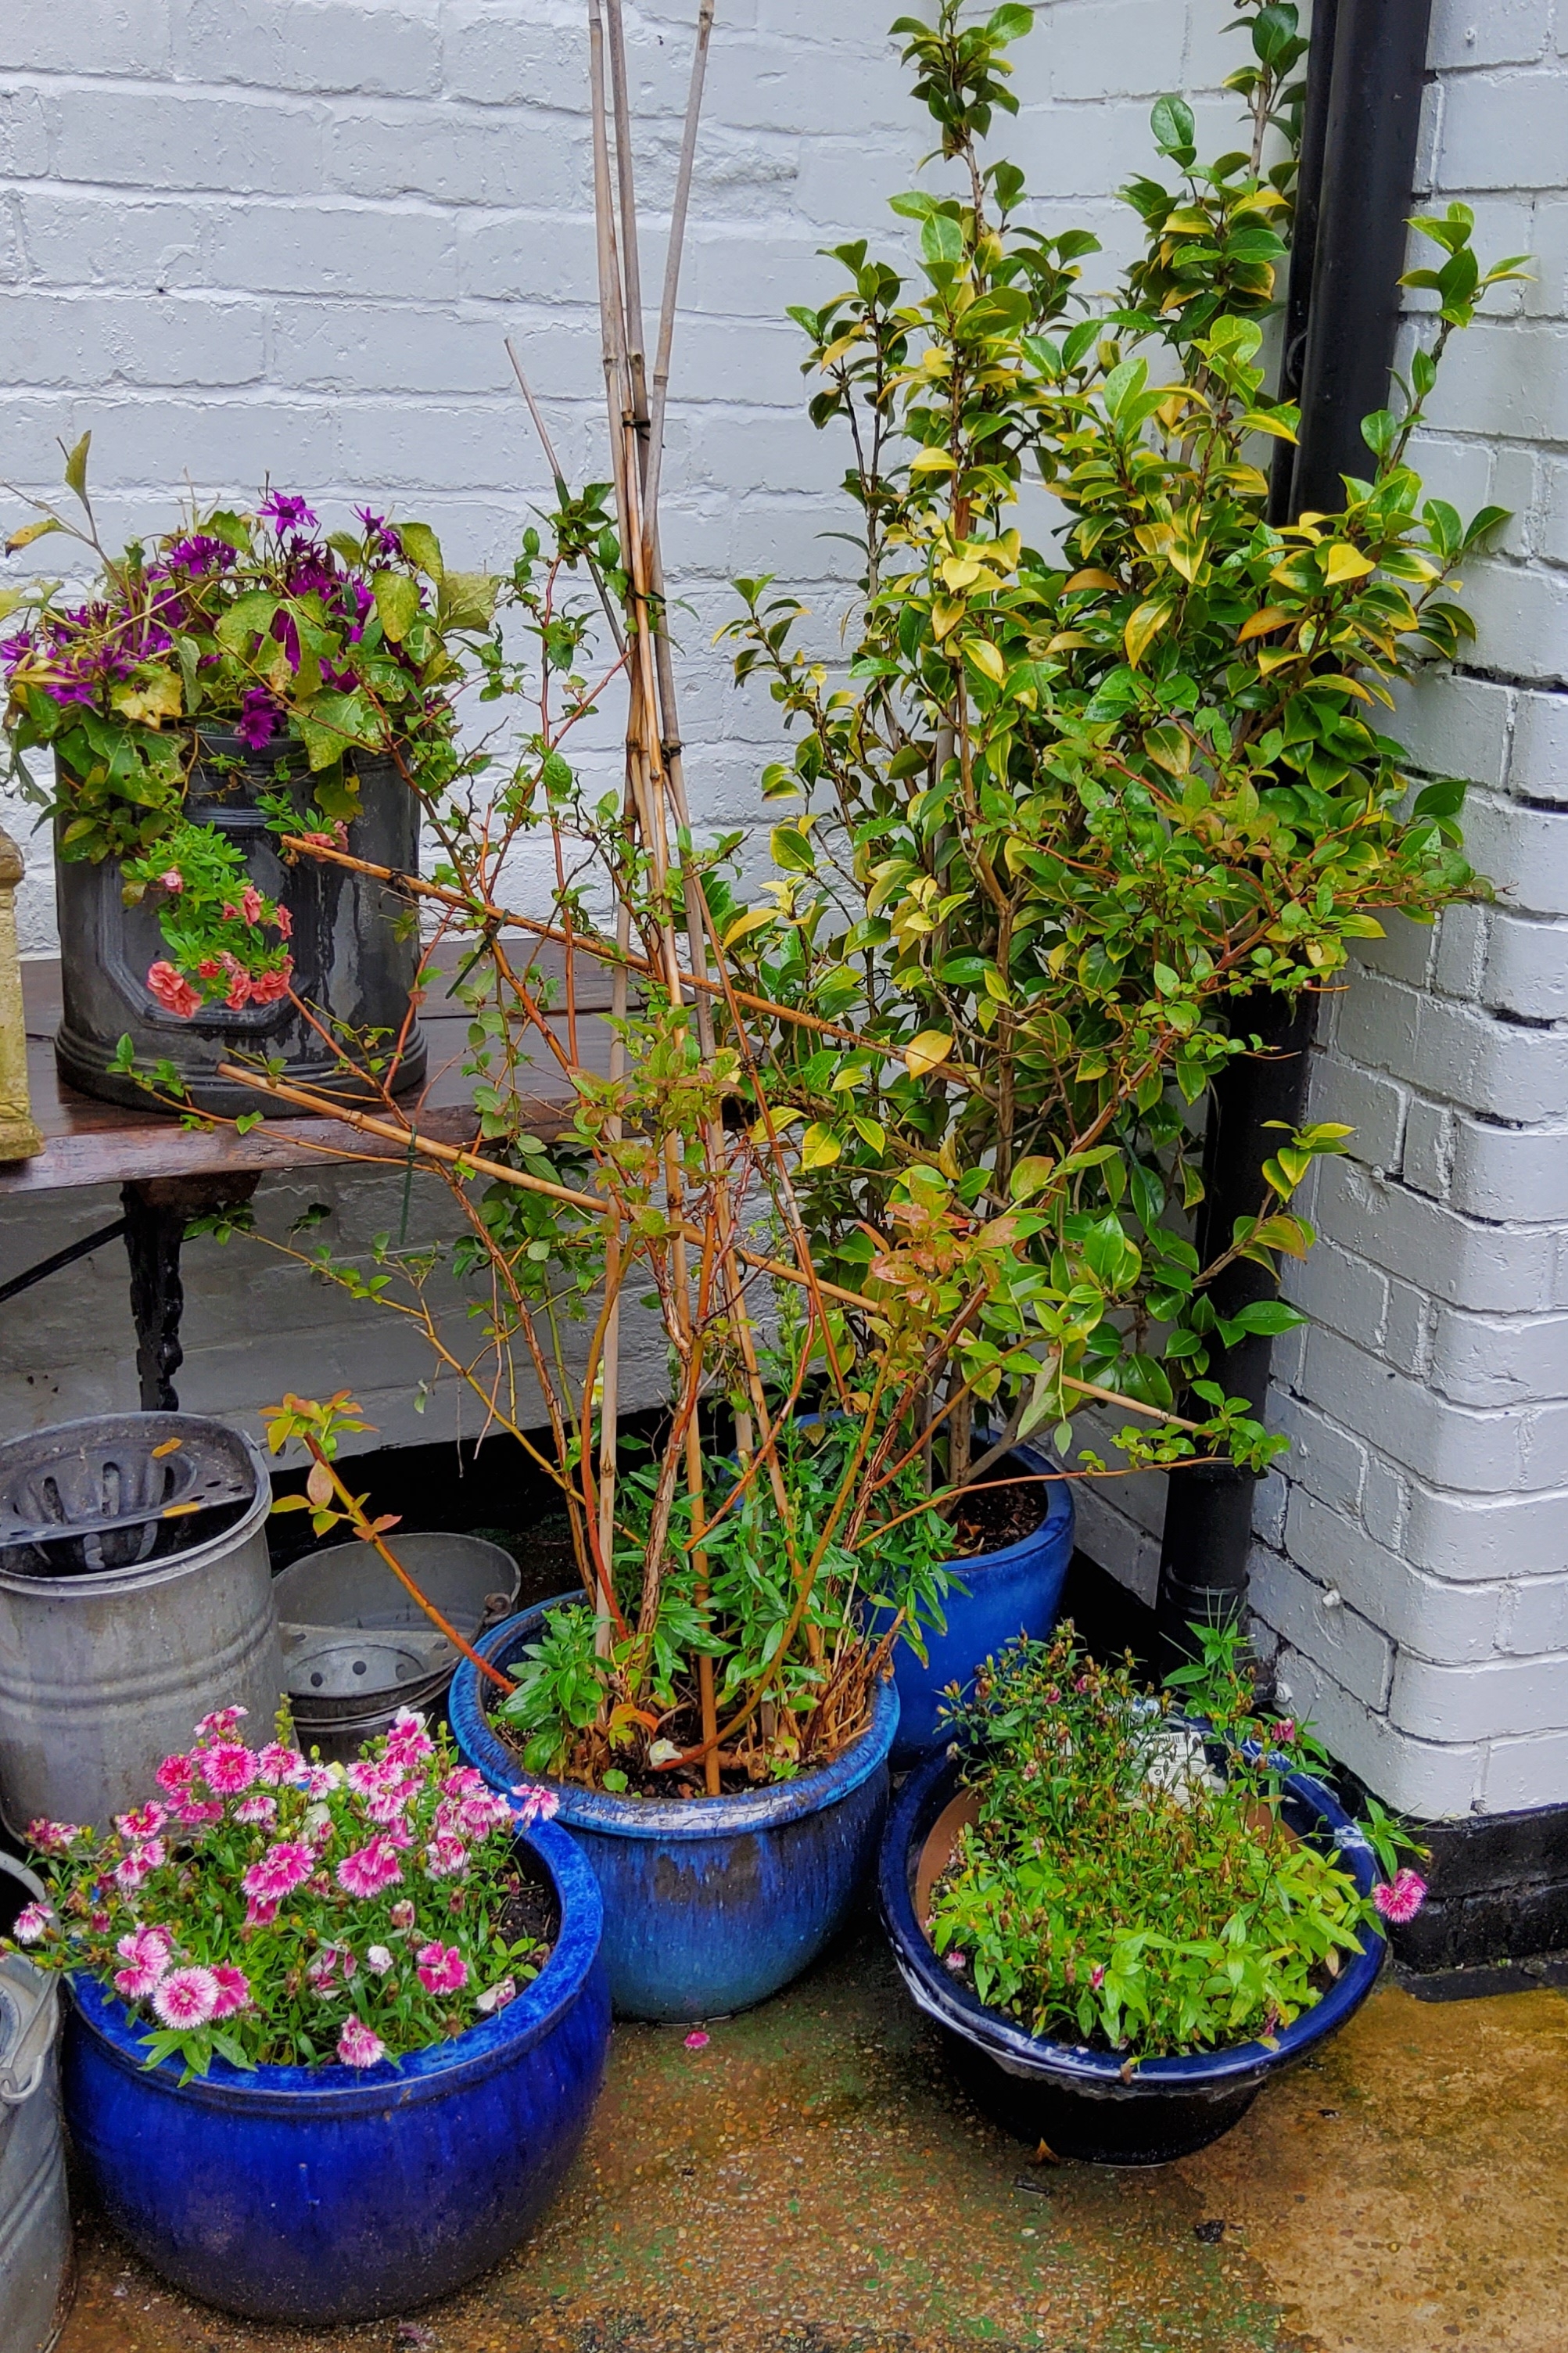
(532, 1802)
(32, 1924)
(172, 990)
(142, 1822)
(174, 1774)
(402, 1914)
(185, 1997)
(54, 1838)
(444, 1856)
(466, 1782)
(369, 1868)
(1402, 1900)
(148, 1948)
(280, 1870)
(221, 1723)
(1097, 1976)
(378, 1960)
(315, 1781)
(277, 1764)
(251, 903)
(408, 1742)
(497, 1997)
(136, 1982)
(262, 1806)
(284, 921)
(357, 2046)
(233, 1989)
(192, 1812)
(132, 1870)
(228, 1768)
(172, 881)
(261, 1911)
(442, 1968)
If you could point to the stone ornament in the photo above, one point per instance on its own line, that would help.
(19, 1138)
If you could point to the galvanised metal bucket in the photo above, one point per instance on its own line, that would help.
(344, 1688)
(104, 1668)
(37, 2273)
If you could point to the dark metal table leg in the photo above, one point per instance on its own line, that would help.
(157, 1211)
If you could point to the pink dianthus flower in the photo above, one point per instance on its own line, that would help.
(233, 1989)
(228, 1768)
(369, 1868)
(277, 1764)
(357, 2046)
(1404, 1899)
(442, 1968)
(279, 1871)
(185, 1997)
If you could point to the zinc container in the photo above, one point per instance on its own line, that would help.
(135, 1596)
(36, 2272)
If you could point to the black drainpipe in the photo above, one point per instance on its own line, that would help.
(1365, 71)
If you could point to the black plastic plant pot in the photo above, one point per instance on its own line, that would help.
(1078, 2101)
(354, 963)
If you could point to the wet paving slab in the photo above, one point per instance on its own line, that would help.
(809, 2181)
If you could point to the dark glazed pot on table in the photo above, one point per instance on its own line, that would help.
(1076, 2101)
(317, 2195)
(710, 1903)
(1016, 1589)
(353, 961)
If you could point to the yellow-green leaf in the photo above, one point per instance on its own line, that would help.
(934, 461)
(987, 659)
(923, 1053)
(755, 919)
(1346, 563)
(1263, 420)
(1144, 627)
(161, 698)
(819, 1147)
(422, 548)
(1259, 623)
(397, 602)
(30, 531)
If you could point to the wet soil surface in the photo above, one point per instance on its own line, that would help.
(997, 1515)
(808, 2182)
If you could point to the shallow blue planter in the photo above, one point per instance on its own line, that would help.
(996, 1595)
(1075, 2099)
(710, 1903)
(321, 2194)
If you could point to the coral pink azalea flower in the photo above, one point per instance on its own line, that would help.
(172, 990)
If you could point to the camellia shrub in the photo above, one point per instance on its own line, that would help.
(1111, 758)
(273, 1911)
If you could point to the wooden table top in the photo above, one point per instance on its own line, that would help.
(90, 1143)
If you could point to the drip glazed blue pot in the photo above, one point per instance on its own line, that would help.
(1076, 2101)
(996, 1595)
(321, 2194)
(710, 1903)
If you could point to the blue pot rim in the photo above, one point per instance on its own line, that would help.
(1099, 2072)
(417, 2076)
(609, 1815)
(1059, 1506)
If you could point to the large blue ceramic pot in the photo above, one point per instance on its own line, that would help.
(1076, 2101)
(321, 2194)
(710, 1903)
(996, 1596)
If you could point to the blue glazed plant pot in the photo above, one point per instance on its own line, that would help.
(319, 2194)
(1076, 2101)
(710, 1903)
(996, 1595)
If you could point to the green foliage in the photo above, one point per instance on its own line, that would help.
(736, 1608)
(1078, 805)
(1129, 1881)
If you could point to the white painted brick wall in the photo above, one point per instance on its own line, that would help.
(1425, 1534)
(287, 237)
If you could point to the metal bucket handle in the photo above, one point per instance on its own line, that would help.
(37, 1998)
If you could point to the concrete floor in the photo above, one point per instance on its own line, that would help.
(810, 2183)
